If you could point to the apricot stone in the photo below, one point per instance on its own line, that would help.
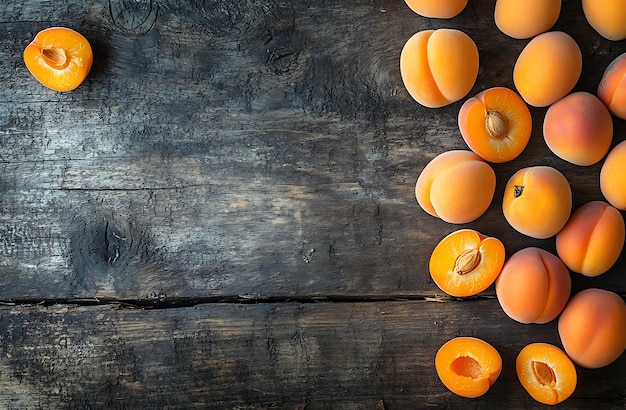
(439, 67)
(578, 128)
(523, 19)
(607, 17)
(456, 186)
(612, 87)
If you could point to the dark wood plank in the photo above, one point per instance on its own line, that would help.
(264, 356)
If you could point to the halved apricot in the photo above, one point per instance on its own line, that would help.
(466, 262)
(546, 372)
(496, 124)
(59, 58)
(468, 366)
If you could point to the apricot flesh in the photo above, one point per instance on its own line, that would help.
(613, 177)
(593, 239)
(439, 67)
(607, 17)
(578, 128)
(592, 328)
(442, 9)
(533, 286)
(548, 68)
(537, 201)
(522, 19)
(546, 373)
(466, 262)
(468, 366)
(59, 58)
(496, 124)
(612, 87)
(456, 186)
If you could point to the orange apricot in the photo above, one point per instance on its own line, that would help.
(439, 67)
(456, 186)
(607, 17)
(537, 201)
(592, 328)
(466, 262)
(546, 373)
(437, 9)
(548, 68)
(523, 19)
(578, 128)
(612, 87)
(592, 240)
(613, 177)
(496, 124)
(59, 58)
(533, 286)
(468, 366)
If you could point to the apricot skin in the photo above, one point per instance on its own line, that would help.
(439, 67)
(548, 68)
(592, 328)
(578, 128)
(537, 201)
(612, 87)
(607, 17)
(593, 239)
(533, 286)
(444, 9)
(523, 19)
(456, 186)
(613, 177)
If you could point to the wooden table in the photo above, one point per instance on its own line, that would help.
(222, 216)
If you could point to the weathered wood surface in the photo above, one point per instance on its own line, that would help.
(236, 151)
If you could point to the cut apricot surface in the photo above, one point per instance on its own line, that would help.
(496, 124)
(59, 58)
(546, 372)
(465, 262)
(468, 366)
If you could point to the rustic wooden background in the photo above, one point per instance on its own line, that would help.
(222, 216)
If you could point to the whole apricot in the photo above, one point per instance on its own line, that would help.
(548, 68)
(442, 9)
(578, 128)
(607, 17)
(468, 366)
(439, 67)
(523, 19)
(593, 238)
(612, 87)
(496, 124)
(533, 286)
(456, 186)
(613, 177)
(537, 201)
(592, 328)
(59, 58)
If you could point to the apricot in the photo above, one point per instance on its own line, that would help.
(612, 87)
(456, 186)
(443, 9)
(59, 58)
(537, 201)
(533, 286)
(466, 262)
(592, 240)
(523, 19)
(468, 366)
(439, 67)
(548, 68)
(613, 177)
(607, 17)
(578, 128)
(592, 328)
(496, 124)
(546, 373)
